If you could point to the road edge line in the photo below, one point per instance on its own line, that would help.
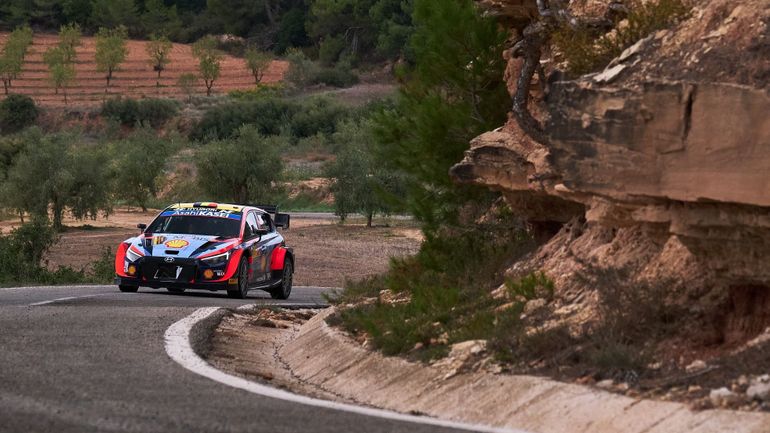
(178, 348)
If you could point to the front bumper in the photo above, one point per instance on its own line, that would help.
(124, 281)
(156, 272)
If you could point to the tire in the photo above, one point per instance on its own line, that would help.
(174, 290)
(128, 289)
(283, 290)
(243, 281)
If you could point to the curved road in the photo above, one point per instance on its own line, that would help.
(92, 359)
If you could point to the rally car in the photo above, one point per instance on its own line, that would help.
(210, 246)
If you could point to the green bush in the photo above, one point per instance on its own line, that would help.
(316, 116)
(223, 121)
(16, 113)
(584, 51)
(129, 112)
(243, 168)
(271, 116)
(330, 49)
(448, 282)
(335, 77)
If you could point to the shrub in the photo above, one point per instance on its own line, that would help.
(585, 52)
(151, 111)
(316, 115)
(271, 116)
(335, 77)
(448, 282)
(16, 113)
(331, 48)
(244, 168)
(22, 250)
(103, 269)
(301, 68)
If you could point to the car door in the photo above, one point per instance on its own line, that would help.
(261, 246)
(269, 241)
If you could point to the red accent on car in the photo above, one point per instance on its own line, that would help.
(232, 266)
(120, 259)
(277, 259)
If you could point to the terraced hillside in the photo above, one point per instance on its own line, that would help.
(135, 78)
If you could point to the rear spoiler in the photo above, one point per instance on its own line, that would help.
(282, 220)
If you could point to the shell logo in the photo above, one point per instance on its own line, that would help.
(177, 243)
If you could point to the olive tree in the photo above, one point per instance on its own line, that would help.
(209, 60)
(111, 50)
(12, 56)
(61, 71)
(51, 173)
(258, 62)
(360, 184)
(138, 165)
(159, 50)
(244, 168)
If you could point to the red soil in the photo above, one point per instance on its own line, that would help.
(135, 78)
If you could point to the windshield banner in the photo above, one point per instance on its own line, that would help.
(215, 213)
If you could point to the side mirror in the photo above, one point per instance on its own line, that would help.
(141, 227)
(282, 220)
(262, 232)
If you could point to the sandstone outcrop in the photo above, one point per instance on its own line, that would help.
(659, 165)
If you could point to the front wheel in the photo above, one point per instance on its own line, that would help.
(128, 289)
(243, 281)
(283, 290)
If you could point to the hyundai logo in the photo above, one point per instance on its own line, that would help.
(169, 260)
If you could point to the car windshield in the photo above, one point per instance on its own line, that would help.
(196, 225)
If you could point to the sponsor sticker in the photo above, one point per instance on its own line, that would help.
(215, 213)
(177, 243)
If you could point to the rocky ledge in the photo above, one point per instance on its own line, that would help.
(658, 166)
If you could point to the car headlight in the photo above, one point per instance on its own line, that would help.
(217, 260)
(132, 256)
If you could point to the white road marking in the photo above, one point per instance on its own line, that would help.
(8, 289)
(67, 298)
(177, 342)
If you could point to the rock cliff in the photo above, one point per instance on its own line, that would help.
(658, 166)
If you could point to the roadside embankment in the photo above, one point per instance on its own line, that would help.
(328, 360)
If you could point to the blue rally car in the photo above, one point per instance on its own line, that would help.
(209, 246)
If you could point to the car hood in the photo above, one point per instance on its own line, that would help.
(181, 245)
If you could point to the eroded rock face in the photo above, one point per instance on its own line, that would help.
(665, 175)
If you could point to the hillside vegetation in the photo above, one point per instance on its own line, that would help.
(135, 78)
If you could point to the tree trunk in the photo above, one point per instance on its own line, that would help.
(64, 90)
(57, 216)
(6, 84)
(209, 85)
(369, 217)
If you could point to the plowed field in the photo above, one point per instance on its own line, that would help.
(135, 78)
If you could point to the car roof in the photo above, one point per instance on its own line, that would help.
(215, 205)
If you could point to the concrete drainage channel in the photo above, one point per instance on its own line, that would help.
(330, 361)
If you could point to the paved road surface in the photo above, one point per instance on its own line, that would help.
(92, 359)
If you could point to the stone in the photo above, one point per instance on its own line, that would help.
(534, 305)
(723, 397)
(695, 366)
(759, 391)
(609, 74)
(605, 384)
(742, 380)
(463, 356)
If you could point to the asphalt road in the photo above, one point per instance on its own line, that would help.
(89, 358)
